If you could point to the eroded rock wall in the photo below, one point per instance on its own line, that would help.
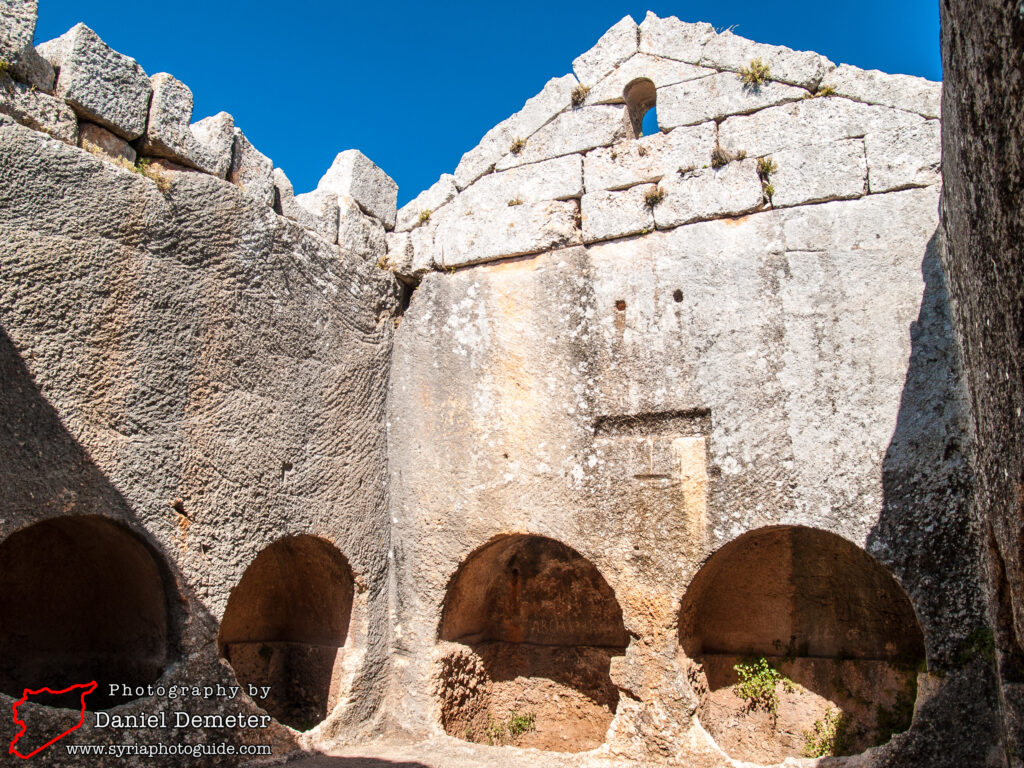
(646, 346)
(984, 183)
(195, 354)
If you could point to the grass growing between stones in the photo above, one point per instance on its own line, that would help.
(579, 94)
(654, 196)
(518, 145)
(720, 158)
(765, 168)
(755, 74)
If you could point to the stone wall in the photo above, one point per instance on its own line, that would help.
(621, 353)
(645, 347)
(984, 184)
(193, 352)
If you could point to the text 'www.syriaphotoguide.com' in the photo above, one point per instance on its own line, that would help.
(164, 750)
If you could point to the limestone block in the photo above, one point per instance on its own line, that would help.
(806, 122)
(707, 193)
(358, 233)
(315, 211)
(538, 110)
(17, 30)
(914, 94)
(616, 214)
(904, 157)
(217, 134)
(615, 46)
(251, 170)
(410, 254)
(835, 171)
(661, 72)
(17, 26)
(648, 159)
(496, 233)
(732, 52)
(355, 175)
(907, 217)
(558, 179)
(574, 131)
(717, 96)
(37, 110)
(101, 85)
(429, 200)
(168, 134)
(285, 202)
(321, 210)
(99, 141)
(674, 39)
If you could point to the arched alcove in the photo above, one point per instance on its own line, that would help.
(286, 624)
(536, 626)
(641, 97)
(835, 625)
(81, 599)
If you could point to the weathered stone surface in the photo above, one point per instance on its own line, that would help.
(812, 174)
(732, 52)
(284, 199)
(558, 179)
(615, 46)
(17, 27)
(983, 169)
(17, 30)
(717, 96)
(217, 134)
(574, 131)
(411, 254)
(807, 122)
(190, 344)
(251, 170)
(97, 139)
(322, 213)
(538, 110)
(359, 234)
(515, 230)
(38, 110)
(533, 382)
(607, 215)
(904, 157)
(914, 94)
(167, 132)
(707, 193)
(102, 85)
(429, 200)
(674, 39)
(353, 174)
(647, 400)
(661, 72)
(648, 159)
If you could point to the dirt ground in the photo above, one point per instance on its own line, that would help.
(866, 700)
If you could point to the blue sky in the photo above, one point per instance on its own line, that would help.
(415, 85)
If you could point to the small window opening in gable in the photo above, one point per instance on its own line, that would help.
(641, 98)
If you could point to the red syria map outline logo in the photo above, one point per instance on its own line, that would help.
(87, 688)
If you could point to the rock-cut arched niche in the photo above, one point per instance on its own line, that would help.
(533, 627)
(285, 626)
(81, 599)
(828, 618)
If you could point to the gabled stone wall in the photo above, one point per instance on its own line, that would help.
(620, 354)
